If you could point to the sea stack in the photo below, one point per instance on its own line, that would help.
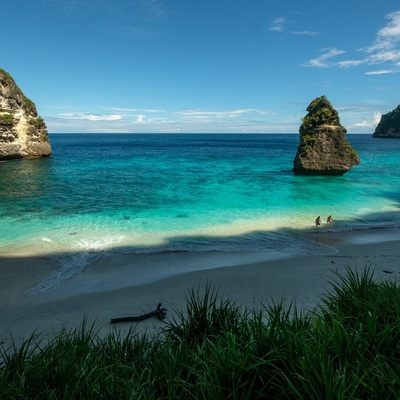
(23, 134)
(323, 147)
(389, 125)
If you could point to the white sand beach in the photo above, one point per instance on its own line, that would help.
(98, 295)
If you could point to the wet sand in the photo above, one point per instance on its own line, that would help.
(97, 294)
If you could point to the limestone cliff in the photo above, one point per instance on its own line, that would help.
(389, 125)
(323, 148)
(23, 133)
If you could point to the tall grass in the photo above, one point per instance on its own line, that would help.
(348, 347)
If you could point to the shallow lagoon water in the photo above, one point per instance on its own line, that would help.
(147, 194)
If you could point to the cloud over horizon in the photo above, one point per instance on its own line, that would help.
(91, 117)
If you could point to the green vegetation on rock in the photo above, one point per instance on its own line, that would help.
(307, 142)
(39, 123)
(351, 150)
(7, 76)
(6, 120)
(320, 112)
(29, 106)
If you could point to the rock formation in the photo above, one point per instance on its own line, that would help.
(323, 148)
(23, 133)
(389, 125)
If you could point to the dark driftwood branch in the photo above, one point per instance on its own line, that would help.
(159, 312)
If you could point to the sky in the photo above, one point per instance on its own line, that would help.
(185, 66)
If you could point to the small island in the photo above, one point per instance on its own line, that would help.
(23, 134)
(323, 148)
(389, 125)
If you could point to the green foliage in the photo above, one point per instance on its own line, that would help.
(39, 123)
(205, 316)
(6, 120)
(351, 149)
(346, 348)
(44, 136)
(320, 112)
(7, 75)
(307, 142)
(29, 106)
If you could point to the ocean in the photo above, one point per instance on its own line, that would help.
(155, 193)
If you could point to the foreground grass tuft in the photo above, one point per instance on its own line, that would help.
(347, 348)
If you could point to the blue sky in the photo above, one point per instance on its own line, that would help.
(202, 66)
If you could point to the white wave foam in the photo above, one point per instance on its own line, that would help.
(69, 267)
(98, 244)
(77, 258)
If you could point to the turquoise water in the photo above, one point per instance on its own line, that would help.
(155, 193)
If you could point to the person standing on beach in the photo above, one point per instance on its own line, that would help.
(318, 221)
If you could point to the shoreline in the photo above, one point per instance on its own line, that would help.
(100, 293)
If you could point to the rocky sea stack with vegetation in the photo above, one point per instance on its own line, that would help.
(323, 147)
(23, 134)
(389, 125)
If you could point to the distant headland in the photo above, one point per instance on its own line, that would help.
(389, 125)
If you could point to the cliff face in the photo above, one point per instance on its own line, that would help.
(23, 133)
(389, 125)
(323, 148)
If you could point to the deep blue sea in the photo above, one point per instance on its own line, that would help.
(150, 193)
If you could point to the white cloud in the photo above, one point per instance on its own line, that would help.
(377, 118)
(382, 72)
(349, 63)
(220, 114)
(323, 60)
(147, 110)
(91, 117)
(384, 50)
(170, 130)
(385, 56)
(305, 33)
(278, 25)
(190, 121)
(388, 37)
(368, 124)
